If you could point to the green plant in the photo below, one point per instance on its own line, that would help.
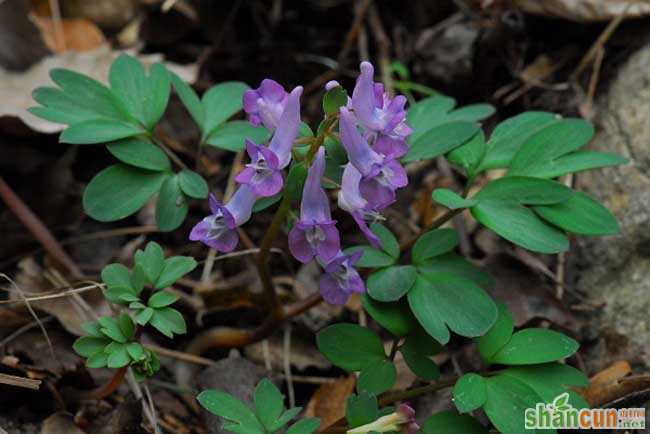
(141, 297)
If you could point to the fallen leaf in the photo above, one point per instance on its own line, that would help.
(606, 382)
(16, 88)
(78, 34)
(329, 400)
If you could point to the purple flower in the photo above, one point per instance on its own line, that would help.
(315, 234)
(381, 175)
(265, 104)
(264, 173)
(341, 279)
(287, 130)
(383, 117)
(350, 200)
(219, 230)
(376, 110)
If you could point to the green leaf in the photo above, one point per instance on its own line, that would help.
(158, 89)
(126, 326)
(231, 136)
(451, 200)
(230, 408)
(168, 321)
(576, 162)
(389, 243)
(111, 328)
(428, 113)
(377, 377)
(144, 316)
(138, 279)
(285, 418)
(507, 401)
(97, 360)
(396, 317)
(98, 131)
(455, 264)
(116, 275)
(440, 140)
(93, 329)
(434, 243)
(371, 258)
(193, 184)
(334, 99)
(89, 94)
(264, 202)
(152, 261)
(469, 155)
(450, 422)
(304, 426)
(535, 345)
(296, 181)
(136, 351)
(86, 346)
(269, 403)
(139, 153)
(509, 135)
(437, 299)
(390, 284)
(498, 336)
(580, 215)
(174, 268)
(350, 346)
(120, 190)
(162, 299)
(221, 102)
(190, 100)
(361, 409)
(553, 141)
(520, 225)
(118, 358)
(551, 380)
(525, 190)
(127, 80)
(470, 393)
(120, 295)
(171, 207)
(417, 349)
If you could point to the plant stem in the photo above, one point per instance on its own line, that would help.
(103, 391)
(265, 250)
(37, 228)
(171, 154)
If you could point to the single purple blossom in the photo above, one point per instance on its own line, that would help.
(341, 279)
(350, 200)
(219, 230)
(382, 116)
(402, 420)
(381, 175)
(315, 234)
(376, 110)
(265, 104)
(264, 173)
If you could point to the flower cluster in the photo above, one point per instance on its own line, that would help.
(373, 132)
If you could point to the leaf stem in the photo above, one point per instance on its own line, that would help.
(171, 154)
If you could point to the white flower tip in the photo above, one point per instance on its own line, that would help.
(367, 68)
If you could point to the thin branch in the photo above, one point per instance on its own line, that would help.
(37, 228)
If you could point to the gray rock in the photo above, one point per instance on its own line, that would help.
(234, 375)
(616, 269)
